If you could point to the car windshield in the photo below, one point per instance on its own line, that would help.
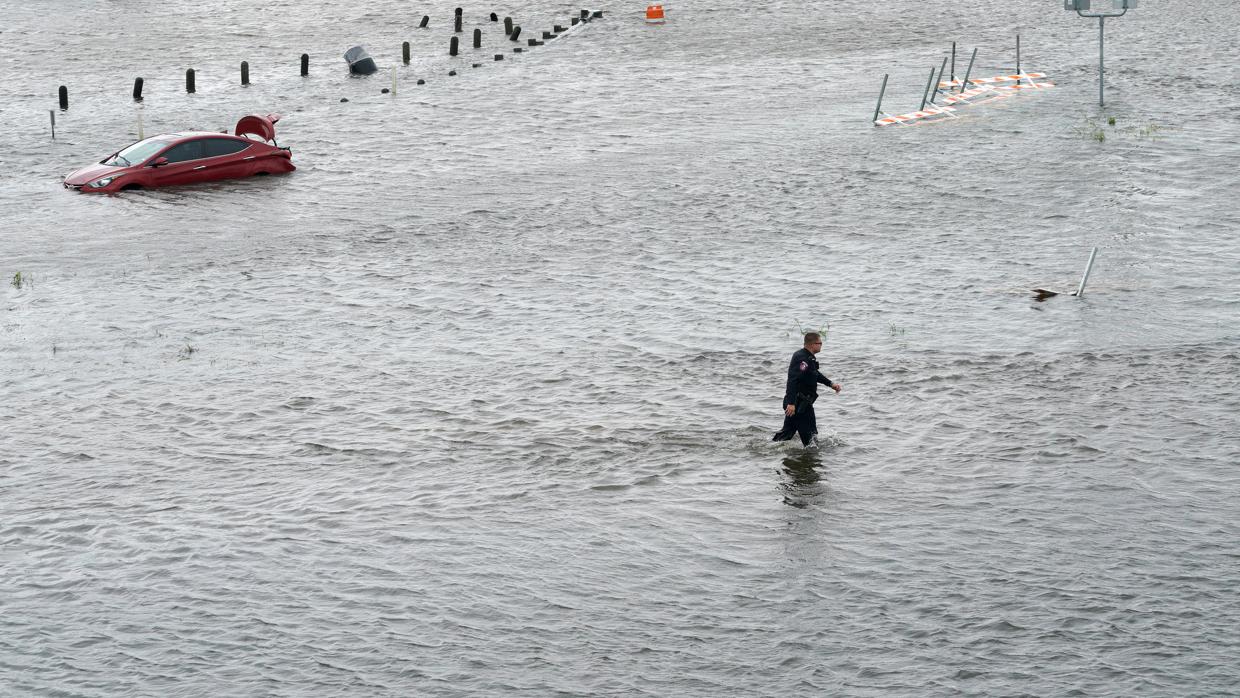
(137, 152)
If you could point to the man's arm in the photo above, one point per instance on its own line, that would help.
(827, 382)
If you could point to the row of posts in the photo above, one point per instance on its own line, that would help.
(512, 31)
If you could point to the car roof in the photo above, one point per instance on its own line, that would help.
(199, 134)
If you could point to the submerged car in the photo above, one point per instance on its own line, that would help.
(189, 158)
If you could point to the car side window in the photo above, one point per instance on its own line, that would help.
(223, 146)
(189, 150)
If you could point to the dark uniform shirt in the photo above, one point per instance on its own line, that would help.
(803, 379)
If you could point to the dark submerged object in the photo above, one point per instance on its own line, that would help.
(360, 62)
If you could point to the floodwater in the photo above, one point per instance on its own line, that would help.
(478, 401)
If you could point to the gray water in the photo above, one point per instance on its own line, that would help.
(479, 400)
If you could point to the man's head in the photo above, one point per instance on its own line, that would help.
(813, 342)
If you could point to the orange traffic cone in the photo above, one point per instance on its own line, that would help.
(654, 14)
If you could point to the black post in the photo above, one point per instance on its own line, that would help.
(953, 73)
(516, 31)
(499, 56)
(1018, 54)
(245, 72)
(189, 81)
(507, 25)
(305, 64)
(404, 52)
(477, 38)
(426, 19)
(964, 84)
(573, 22)
(935, 91)
(926, 92)
(494, 17)
(137, 89)
(64, 98)
(452, 47)
(456, 23)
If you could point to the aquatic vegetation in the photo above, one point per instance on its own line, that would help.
(186, 352)
(1150, 131)
(1096, 130)
(1092, 130)
(20, 279)
(826, 327)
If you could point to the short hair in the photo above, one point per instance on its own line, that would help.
(811, 337)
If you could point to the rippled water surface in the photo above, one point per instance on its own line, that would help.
(479, 400)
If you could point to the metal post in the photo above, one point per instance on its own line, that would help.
(52, 113)
(1080, 290)
(404, 53)
(926, 92)
(965, 83)
(305, 64)
(879, 107)
(953, 73)
(934, 91)
(1101, 66)
(1018, 54)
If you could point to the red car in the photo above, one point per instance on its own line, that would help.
(188, 158)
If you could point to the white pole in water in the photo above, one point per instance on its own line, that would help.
(393, 81)
(1080, 291)
(140, 136)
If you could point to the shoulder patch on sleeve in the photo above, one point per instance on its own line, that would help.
(804, 365)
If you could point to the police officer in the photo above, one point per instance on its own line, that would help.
(802, 391)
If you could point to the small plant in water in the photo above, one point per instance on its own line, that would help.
(1092, 130)
(186, 352)
(826, 327)
(1150, 131)
(20, 280)
(896, 330)
(1110, 121)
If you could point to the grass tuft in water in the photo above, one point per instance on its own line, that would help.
(186, 352)
(20, 279)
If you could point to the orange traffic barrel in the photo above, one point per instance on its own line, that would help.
(654, 13)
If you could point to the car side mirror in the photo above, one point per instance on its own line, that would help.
(157, 162)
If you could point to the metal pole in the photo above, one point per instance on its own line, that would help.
(877, 108)
(1018, 54)
(965, 83)
(934, 92)
(1080, 290)
(926, 92)
(953, 73)
(1101, 66)
(52, 113)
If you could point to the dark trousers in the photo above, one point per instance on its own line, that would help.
(802, 424)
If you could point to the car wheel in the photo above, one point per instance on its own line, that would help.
(131, 187)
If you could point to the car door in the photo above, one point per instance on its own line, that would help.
(183, 167)
(227, 158)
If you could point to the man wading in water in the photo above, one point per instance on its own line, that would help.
(802, 390)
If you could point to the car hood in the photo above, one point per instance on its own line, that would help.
(91, 173)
